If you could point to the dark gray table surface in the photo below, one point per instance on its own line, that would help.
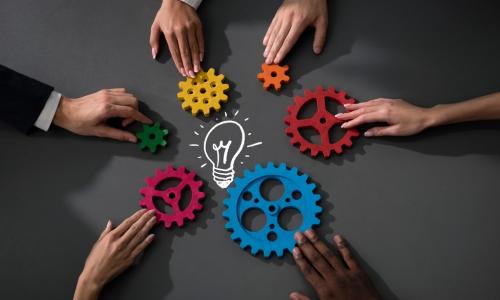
(422, 213)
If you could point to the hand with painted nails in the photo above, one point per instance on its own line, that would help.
(182, 29)
(114, 251)
(402, 118)
(291, 19)
(88, 115)
(332, 277)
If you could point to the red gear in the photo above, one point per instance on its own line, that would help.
(172, 195)
(322, 121)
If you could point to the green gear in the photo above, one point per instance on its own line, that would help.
(152, 137)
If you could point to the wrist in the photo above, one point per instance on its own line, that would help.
(89, 283)
(62, 113)
(433, 116)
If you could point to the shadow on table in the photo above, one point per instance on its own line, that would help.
(452, 140)
(378, 281)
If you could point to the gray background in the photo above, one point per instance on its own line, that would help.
(421, 212)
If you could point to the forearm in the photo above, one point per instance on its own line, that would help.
(86, 289)
(481, 108)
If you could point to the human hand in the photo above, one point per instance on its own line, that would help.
(291, 19)
(182, 28)
(402, 118)
(330, 276)
(114, 251)
(88, 115)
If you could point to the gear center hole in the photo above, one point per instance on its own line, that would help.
(274, 74)
(203, 90)
(272, 189)
(253, 219)
(152, 136)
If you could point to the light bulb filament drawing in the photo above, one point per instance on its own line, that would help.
(222, 146)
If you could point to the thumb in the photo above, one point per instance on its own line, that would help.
(382, 131)
(298, 296)
(154, 39)
(319, 35)
(115, 134)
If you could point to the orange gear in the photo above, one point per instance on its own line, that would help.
(273, 75)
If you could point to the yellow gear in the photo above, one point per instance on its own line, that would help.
(203, 93)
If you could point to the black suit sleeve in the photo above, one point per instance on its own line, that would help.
(22, 99)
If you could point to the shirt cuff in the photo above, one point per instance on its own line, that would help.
(193, 3)
(48, 112)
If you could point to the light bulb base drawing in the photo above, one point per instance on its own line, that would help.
(223, 177)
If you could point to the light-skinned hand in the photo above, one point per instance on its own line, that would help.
(88, 115)
(182, 29)
(291, 19)
(332, 277)
(114, 251)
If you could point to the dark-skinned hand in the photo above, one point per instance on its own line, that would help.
(332, 277)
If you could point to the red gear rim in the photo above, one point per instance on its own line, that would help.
(172, 195)
(322, 121)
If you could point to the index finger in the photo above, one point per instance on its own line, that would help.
(310, 274)
(128, 112)
(290, 40)
(125, 225)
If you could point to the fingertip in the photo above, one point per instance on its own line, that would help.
(297, 254)
(317, 50)
(132, 139)
(153, 52)
(368, 133)
(338, 239)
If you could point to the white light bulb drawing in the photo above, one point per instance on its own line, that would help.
(222, 145)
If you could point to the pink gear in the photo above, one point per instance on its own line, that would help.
(172, 195)
(322, 121)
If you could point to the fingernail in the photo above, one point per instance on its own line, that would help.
(317, 50)
(347, 105)
(343, 125)
(310, 234)
(191, 73)
(265, 52)
(153, 52)
(296, 253)
(338, 115)
(299, 237)
(108, 225)
(182, 72)
(151, 236)
(368, 133)
(132, 139)
(337, 239)
(151, 211)
(196, 69)
(201, 57)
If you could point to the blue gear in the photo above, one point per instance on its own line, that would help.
(245, 194)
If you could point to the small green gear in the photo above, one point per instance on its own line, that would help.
(152, 137)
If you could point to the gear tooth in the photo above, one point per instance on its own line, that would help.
(270, 165)
(266, 252)
(243, 244)
(279, 252)
(149, 181)
(258, 167)
(254, 251)
(283, 166)
(235, 236)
